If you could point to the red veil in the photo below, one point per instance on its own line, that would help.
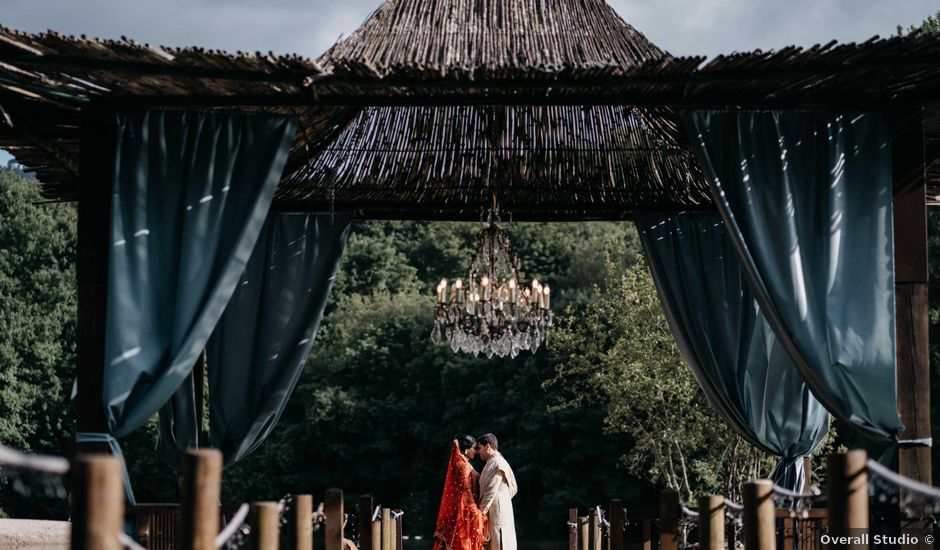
(459, 521)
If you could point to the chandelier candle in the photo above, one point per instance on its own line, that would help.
(491, 315)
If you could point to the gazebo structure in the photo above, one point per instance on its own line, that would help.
(430, 110)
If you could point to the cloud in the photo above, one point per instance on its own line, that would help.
(309, 27)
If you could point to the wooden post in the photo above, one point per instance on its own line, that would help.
(396, 530)
(265, 526)
(199, 505)
(596, 543)
(97, 502)
(909, 154)
(376, 533)
(669, 520)
(299, 534)
(333, 508)
(848, 494)
(617, 520)
(584, 529)
(397, 526)
(573, 529)
(96, 166)
(711, 523)
(364, 512)
(808, 471)
(386, 529)
(759, 529)
(647, 535)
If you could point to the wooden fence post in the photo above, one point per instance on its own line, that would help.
(333, 508)
(364, 511)
(848, 494)
(376, 532)
(596, 543)
(669, 520)
(759, 521)
(573, 529)
(711, 523)
(617, 520)
(386, 529)
(97, 502)
(584, 528)
(299, 533)
(397, 526)
(199, 499)
(265, 526)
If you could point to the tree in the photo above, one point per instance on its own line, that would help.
(929, 25)
(621, 352)
(37, 326)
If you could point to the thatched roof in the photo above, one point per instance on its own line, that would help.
(557, 107)
(540, 162)
(484, 39)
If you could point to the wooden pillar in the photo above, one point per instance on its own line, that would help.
(617, 521)
(376, 533)
(96, 166)
(584, 531)
(573, 528)
(199, 504)
(299, 533)
(808, 471)
(711, 523)
(386, 529)
(848, 495)
(669, 520)
(596, 543)
(265, 526)
(759, 529)
(397, 525)
(97, 502)
(909, 157)
(910, 274)
(647, 535)
(364, 511)
(333, 508)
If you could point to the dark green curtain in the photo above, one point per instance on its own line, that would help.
(745, 374)
(258, 349)
(191, 192)
(806, 198)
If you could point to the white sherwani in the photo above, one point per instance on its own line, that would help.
(497, 487)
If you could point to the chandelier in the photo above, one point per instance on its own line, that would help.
(491, 311)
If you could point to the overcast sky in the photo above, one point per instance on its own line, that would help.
(308, 27)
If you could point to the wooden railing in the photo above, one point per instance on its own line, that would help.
(194, 524)
(641, 529)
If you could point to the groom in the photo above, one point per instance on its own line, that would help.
(497, 487)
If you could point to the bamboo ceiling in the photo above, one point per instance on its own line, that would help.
(557, 107)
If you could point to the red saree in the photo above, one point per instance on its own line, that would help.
(459, 521)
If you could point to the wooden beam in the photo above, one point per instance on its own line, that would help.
(909, 158)
(500, 97)
(94, 220)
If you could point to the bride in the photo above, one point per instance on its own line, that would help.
(460, 522)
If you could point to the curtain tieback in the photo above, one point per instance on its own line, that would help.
(115, 447)
(908, 443)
